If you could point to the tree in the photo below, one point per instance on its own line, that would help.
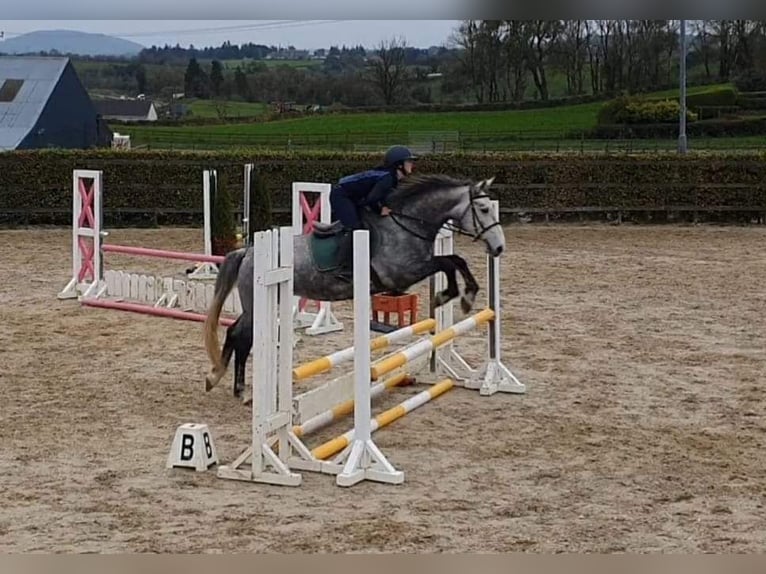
(223, 228)
(473, 58)
(241, 86)
(195, 80)
(543, 40)
(573, 54)
(140, 79)
(515, 42)
(216, 77)
(388, 70)
(260, 216)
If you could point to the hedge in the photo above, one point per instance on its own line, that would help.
(747, 126)
(754, 101)
(157, 180)
(639, 109)
(631, 111)
(724, 96)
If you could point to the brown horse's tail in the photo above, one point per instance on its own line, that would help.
(224, 283)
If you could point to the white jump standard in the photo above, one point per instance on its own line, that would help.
(494, 376)
(275, 449)
(303, 217)
(362, 459)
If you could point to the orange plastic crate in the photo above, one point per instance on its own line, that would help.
(403, 308)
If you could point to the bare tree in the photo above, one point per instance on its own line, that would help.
(605, 32)
(472, 60)
(594, 57)
(722, 31)
(702, 43)
(573, 54)
(515, 57)
(491, 39)
(743, 32)
(543, 40)
(388, 70)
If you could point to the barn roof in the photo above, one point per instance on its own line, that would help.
(26, 84)
(128, 108)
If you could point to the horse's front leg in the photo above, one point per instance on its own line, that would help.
(471, 285)
(444, 264)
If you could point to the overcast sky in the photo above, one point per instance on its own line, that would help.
(307, 34)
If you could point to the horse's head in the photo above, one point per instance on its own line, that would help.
(477, 218)
(433, 200)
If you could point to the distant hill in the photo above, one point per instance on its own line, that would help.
(69, 42)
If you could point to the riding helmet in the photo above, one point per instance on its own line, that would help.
(398, 154)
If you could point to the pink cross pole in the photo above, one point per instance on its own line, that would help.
(86, 217)
(311, 214)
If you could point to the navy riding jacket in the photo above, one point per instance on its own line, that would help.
(368, 188)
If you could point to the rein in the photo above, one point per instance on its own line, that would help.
(449, 225)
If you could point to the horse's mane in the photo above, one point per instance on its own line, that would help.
(423, 182)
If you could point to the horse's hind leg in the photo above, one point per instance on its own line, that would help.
(471, 285)
(240, 362)
(243, 344)
(445, 264)
(214, 376)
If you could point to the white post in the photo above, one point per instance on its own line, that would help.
(496, 377)
(246, 192)
(443, 245)
(446, 360)
(87, 220)
(303, 216)
(362, 460)
(272, 380)
(207, 270)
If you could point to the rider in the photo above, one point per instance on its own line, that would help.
(367, 189)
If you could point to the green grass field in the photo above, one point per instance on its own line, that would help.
(231, 109)
(523, 121)
(550, 128)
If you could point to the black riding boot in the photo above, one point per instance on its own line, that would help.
(346, 257)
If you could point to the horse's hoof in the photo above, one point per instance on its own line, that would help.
(466, 303)
(210, 382)
(440, 299)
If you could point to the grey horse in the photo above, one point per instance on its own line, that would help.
(401, 254)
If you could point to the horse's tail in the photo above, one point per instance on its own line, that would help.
(224, 283)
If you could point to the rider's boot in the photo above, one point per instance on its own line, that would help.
(345, 271)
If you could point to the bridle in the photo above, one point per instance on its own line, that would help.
(449, 225)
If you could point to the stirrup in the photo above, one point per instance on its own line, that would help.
(323, 230)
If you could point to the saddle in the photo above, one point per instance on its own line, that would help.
(332, 247)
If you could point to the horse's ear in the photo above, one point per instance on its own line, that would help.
(484, 184)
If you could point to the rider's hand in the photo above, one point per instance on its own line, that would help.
(385, 211)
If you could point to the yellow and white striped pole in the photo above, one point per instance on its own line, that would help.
(328, 449)
(326, 363)
(397, 360)
(346, 407)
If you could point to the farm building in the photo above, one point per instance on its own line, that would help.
(127, 110)
(43, 104)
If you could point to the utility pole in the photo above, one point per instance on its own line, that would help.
(682, 90)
